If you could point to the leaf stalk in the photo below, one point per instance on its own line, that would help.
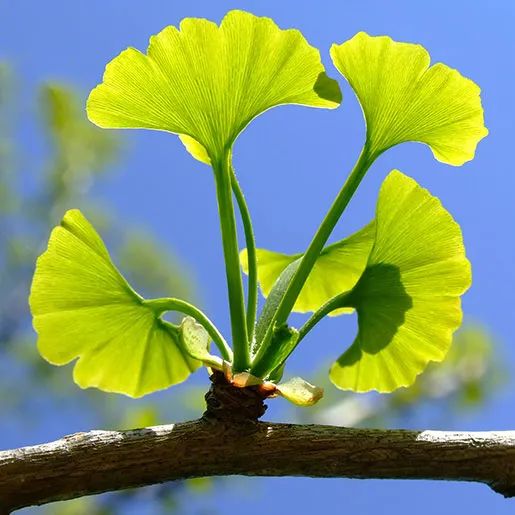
(181, 306)
(250, 241)
(265, 353)
(224, 193)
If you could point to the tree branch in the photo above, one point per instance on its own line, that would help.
(100, 461)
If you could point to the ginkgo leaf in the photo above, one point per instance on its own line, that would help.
(336, 270)
(196, 342)
(408, 299)
(195, 149)
(403, 99)
(300, 392)
(83, 308)
(244, 379)
(207, 82)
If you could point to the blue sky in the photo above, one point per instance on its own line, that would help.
(291, 162)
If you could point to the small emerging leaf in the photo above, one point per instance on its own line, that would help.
(403, 99)
(408, 299)
(207, 82)
(244, 379)
(196, 342)
(300, 392)
(336, 270)
(284, 340)
(83, 308)
(273, 302)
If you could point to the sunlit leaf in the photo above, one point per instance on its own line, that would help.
(403, 99)
(300, 392)
(207, 82)
(83, 308)
(408, 299)
(466, 378)
(195, 149)
(196, 342)
(337, 269)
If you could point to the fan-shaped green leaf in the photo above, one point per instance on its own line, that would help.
(408, 299)
(83, 308)
(403, 99)
(336, 270)
(208, 82)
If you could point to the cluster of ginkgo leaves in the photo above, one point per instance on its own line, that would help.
(403, 273)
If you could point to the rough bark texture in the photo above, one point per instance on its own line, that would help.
(223, 442)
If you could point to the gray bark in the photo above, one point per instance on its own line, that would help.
(100, 461)
(228, 440)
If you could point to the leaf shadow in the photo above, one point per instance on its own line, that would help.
(381, 302)
(327, 88)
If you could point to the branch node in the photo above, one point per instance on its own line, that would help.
(231, 405)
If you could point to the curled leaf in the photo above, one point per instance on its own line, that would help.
(408, 298)
(300, 392)
(404, 99)
(83, 308)
(196, 342)
(207, 82)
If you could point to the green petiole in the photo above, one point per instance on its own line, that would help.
(265, 353)
(240, 340)
(252, 293)
(181, 306)
(286, 347)
(340, 301)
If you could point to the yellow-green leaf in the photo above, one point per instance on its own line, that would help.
(404, 99)
(195, 149)
(196, 342)
(300, 392)
(83, 308)
(408, 299)
(336, 270)
(207, 82)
